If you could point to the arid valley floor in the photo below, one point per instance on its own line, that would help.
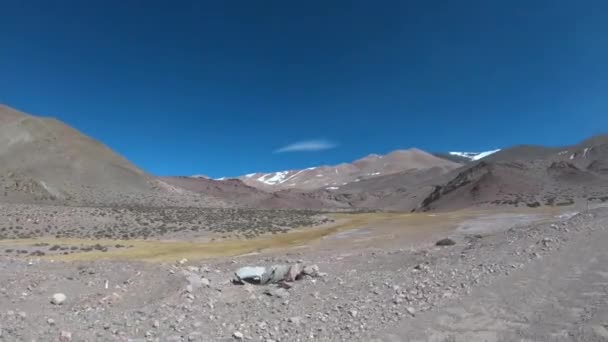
(512, 275)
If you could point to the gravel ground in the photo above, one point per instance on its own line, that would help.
(358, 296)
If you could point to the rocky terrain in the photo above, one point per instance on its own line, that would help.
(352, 295)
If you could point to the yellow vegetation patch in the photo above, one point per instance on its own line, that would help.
(170, 251)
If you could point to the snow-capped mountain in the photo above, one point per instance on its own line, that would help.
(474, 156)
(332, 177)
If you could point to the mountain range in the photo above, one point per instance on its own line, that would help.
(332, 177)
(43, 160)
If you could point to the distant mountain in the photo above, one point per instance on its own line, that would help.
(42, 160)
(527, 175)
(243, 195)
(332, 177)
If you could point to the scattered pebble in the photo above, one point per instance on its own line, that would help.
(58, 298)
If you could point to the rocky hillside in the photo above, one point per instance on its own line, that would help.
(530, 176)
(42, 160)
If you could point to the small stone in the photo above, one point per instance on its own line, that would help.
(295, 320)
(194, 282)
(192, 269)
(445, 242)
(248, 288)
(195, 336)
(285, 285)
(65, 336)
(156, 324)
(58, 298)
(294, 272)
(50, 321)
(353, 313)
(312, 270)
(277, 292)
(183, 261)
(411, 310)
(205, 282)
(22, 314)
(238, 335)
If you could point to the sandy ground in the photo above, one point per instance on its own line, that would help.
(382, 278)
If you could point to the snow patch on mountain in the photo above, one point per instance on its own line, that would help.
(273, 178)
(474, 155)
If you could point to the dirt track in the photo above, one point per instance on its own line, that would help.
(562, 297)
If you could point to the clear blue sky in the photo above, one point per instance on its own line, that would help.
(215, 87)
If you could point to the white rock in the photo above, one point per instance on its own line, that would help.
(50, 321)
(312, 270)
(205, 282)
(65, 336)
(353, 313)
(295, 320)
(192, 269)
(411, 310)
(58, 298)
(238, 335)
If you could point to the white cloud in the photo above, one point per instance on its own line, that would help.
(307, 145)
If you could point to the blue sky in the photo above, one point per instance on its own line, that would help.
(228, 87)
